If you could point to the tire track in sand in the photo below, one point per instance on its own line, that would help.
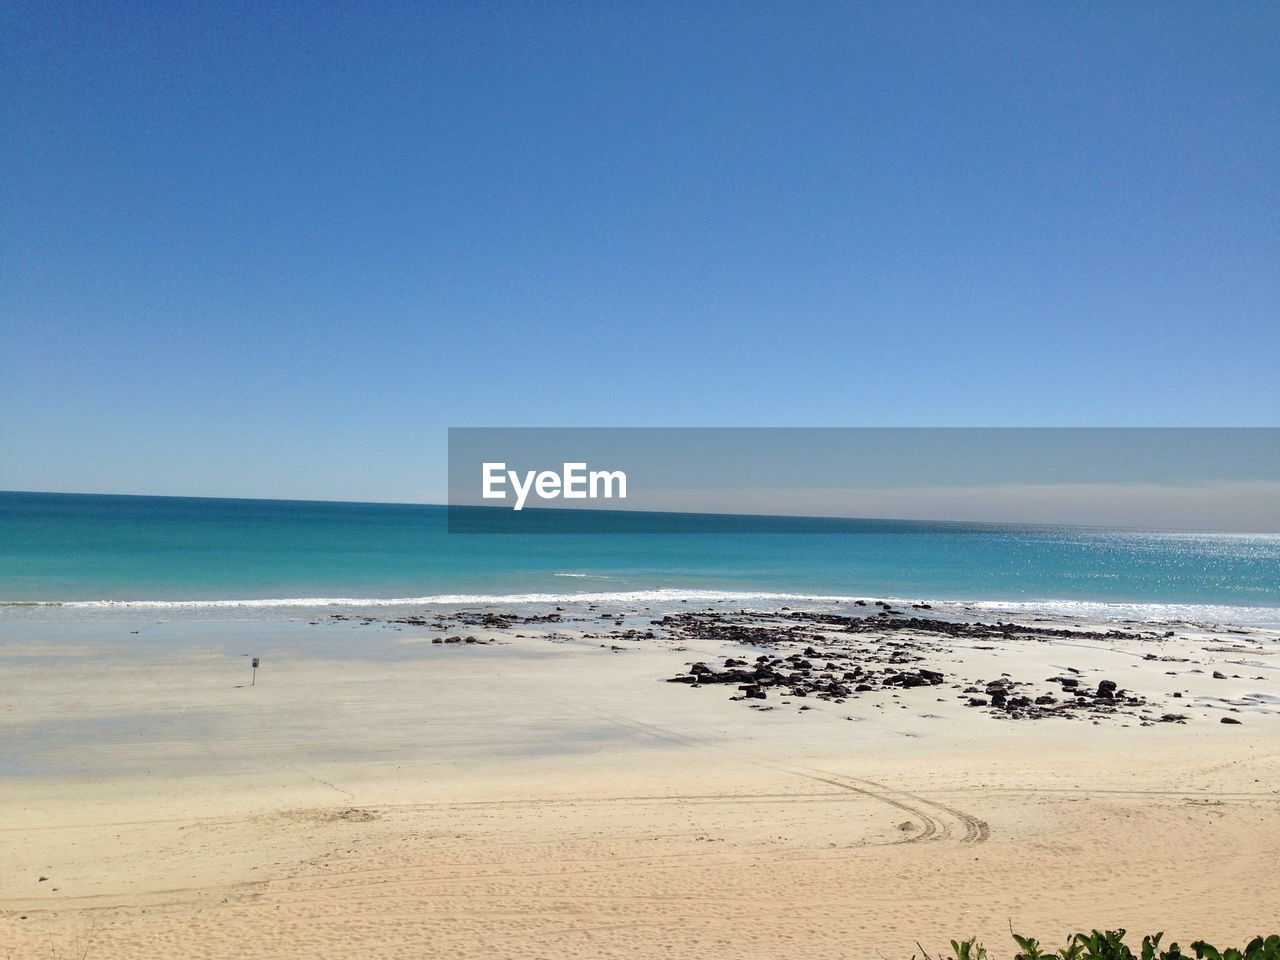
(934, 825)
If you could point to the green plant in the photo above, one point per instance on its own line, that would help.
(969, 949)
(1257, 949)
(1110, 945)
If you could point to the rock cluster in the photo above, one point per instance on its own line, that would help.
(797, 676)
(1005, 699)
(835, 666)
(877, 651)
(884, 621)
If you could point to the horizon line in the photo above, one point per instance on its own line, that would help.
(498, 510)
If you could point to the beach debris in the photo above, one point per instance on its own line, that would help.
(876, 652)
(834, 659)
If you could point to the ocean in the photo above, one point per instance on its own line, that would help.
(175, 553)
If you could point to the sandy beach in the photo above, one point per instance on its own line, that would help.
(554, 789)
(666, 481)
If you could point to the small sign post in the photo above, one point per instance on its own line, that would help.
(254, 681)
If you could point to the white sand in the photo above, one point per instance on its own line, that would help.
(556, 799)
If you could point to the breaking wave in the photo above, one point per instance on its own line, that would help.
(1066, 609)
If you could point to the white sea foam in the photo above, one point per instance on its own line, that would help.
(1141, 612)
(446, 599)
(1074, 609)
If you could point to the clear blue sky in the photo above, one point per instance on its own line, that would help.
(276, 249)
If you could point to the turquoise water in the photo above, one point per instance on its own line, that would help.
(86, 550)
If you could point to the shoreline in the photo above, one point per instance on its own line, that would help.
(1082, 610)
(545, 788)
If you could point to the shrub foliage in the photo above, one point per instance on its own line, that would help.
(1110, 945)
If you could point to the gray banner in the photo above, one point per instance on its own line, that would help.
(712, 479)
